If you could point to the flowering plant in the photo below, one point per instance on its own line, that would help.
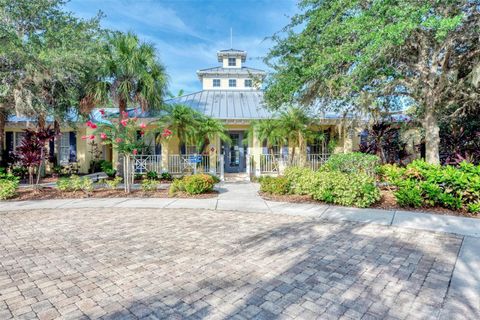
(122, 134)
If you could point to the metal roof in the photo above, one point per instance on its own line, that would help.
(226, 104)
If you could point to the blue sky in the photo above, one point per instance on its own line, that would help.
(188, 33)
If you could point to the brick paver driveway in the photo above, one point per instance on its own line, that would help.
(200, 264)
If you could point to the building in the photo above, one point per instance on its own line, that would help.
(231, 92)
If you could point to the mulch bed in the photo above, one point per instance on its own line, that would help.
(387, 202)
(52, 193)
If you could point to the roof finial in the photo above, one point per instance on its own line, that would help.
(231, 38)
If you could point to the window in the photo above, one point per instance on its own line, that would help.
(216, 83)
(64, 153)
(232, 62)
(248, 83)
(18, 139)
(232, 83)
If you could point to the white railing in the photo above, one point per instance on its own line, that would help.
(315, 161)
(145, 163)
(179, 164)
(274, 163)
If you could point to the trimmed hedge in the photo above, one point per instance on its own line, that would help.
(8, 187)
(275, 185)
(423, 184)
(194, 184)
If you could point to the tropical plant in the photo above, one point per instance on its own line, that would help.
(275, 185)
(198, 183)
(31, 152)
(75, 183)
(130, 74)
(355, 162)
(208, 130)
(357, 57)
(8, 188)
(114, 183)
(181, 119)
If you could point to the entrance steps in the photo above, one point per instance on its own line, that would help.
(236, 177)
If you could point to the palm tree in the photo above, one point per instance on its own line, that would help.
(183, 121)
(130, 74)
(209, 129)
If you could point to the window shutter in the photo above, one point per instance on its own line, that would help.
(73, 147)
(9, 141)
(183, 149)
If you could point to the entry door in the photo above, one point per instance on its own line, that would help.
(235, 153)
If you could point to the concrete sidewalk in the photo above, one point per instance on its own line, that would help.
(244, 197)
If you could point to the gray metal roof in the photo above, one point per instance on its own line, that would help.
(230, 71)
(226, 104)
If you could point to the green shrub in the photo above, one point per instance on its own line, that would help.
(390, 173)
(446, 186)
(113, 184)
(214, 177)
(198, 183)
(355, 162)
(176, 186)
(110, 172)
(275, 185)
(409, 194)
(75, 183)
(299, 179)
(152, 175)
(166, 176)
(357, 190)
(474, 207)
(149, 185)
(8, 188)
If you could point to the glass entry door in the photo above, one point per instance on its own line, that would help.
(234, 153)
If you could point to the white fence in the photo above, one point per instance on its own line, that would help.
(178, 164)
(274, 163)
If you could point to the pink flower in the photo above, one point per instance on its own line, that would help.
(84, 137)
(102, 112)
(135, 151)
(124, 122)
(89, 123)
(103, 135)
(143, 125)
(142, 133)
(166, 133)
(92, 137)
(118, 140)
(124, 114)
(93, 126)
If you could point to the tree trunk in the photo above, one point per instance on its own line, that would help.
(122, 107)
(57, 140)
(432, 135)
(3, 120)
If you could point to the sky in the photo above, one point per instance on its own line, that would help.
(188, 33)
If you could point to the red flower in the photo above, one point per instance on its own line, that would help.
(142, 133)
(84, 137)
(166, 133)
(143, 125)
(102, 112)
(118, 140)
(92, 137)
(124, 114)
(135, 151)
(93, 126)
(103, 135)
(124, 122)
(89, 123)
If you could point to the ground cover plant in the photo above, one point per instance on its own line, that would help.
(420, 184)
(8, 185)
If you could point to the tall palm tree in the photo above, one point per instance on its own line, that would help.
(267, 130)
(130, 75)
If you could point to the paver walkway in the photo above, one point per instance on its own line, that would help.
(99, 258)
